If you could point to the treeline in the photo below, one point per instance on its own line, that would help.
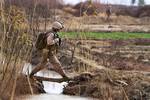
(96, 8)
(42, 8)
(47, 8)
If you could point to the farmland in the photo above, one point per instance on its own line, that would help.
(104, 58)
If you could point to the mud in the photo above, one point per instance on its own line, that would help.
(22, 86)
(115, 54)
(124, 73)
(115, 85)
(26, 85)
(112, 70)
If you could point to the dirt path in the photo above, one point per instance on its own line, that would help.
(113, 28)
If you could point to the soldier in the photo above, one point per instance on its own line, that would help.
(108, 13)
(47, 45)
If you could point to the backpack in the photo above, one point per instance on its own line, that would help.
(41, 42)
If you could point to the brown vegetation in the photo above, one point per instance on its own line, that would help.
(114, 85)
(103, 81)
(113, 65)
(88, 7)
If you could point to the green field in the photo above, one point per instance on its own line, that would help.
(114, 35)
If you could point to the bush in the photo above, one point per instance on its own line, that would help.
(15, 35)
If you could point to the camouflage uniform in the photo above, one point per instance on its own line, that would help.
(41, 57)
(108, 13)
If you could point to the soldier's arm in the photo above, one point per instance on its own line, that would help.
(50, 40)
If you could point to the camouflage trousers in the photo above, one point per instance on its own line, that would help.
(41, 58)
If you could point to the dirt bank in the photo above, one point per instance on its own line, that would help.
(118, 69)
(26, 85)
(97, 83)
(114, 72)
(22, 86)
(109, 84)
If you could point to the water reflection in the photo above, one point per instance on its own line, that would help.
(53, 89)
(49, 87)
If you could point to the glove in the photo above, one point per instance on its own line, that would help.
(58, 41)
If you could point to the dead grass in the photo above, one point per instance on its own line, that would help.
(109, 84)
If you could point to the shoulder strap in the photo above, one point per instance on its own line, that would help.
(55, 34)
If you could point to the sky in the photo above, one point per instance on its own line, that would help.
(125, 2)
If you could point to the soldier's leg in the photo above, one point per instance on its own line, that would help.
(56, 65)
(41, 65)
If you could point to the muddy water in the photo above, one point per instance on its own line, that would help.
(54, 90)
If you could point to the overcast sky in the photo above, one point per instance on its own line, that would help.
(125, 2)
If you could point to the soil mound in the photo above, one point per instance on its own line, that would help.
(106, 84)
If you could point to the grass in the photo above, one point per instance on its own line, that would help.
(114, 35)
